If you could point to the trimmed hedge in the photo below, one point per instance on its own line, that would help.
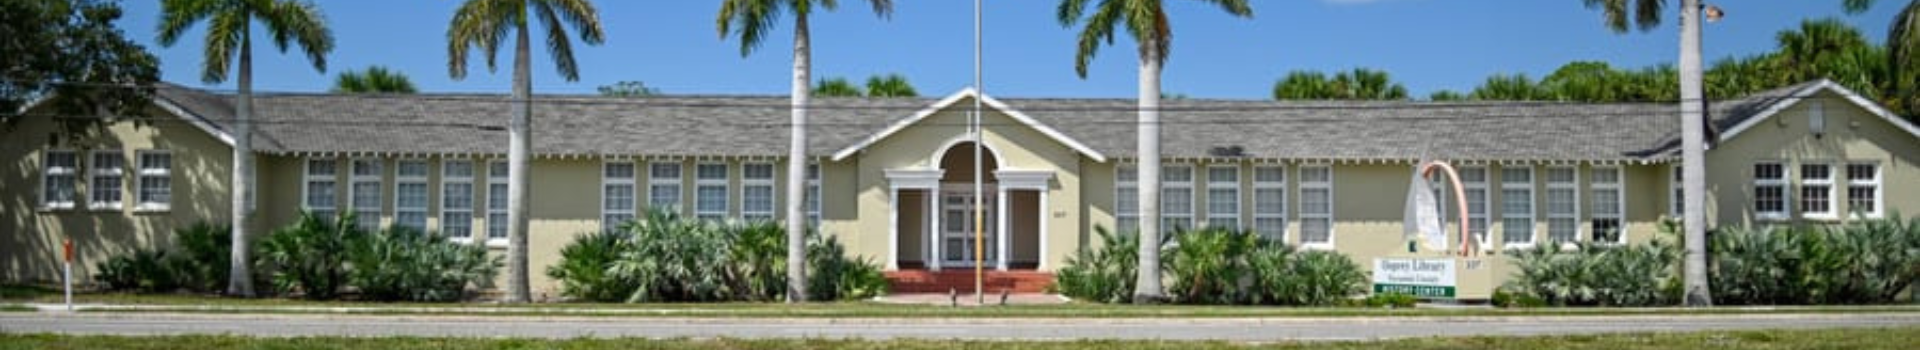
(667, 258)
(1215, 266)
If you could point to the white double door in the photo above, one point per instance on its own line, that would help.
(957, 235)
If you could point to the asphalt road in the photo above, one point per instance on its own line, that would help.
(1247, 330)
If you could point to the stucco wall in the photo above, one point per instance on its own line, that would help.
(1852, 135)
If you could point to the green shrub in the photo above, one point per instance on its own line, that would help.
(582, 270)
(834, 275)
(1392, 300)
(1861, 262)
(1207, 266)
(309, 257)
(1599, 275)
(1309, 278)
(666, 258)
(759, 255)
(1103, 274)
(674, 259)
(143, 270)
(204, 257)
(401, 264)
(1504, 298)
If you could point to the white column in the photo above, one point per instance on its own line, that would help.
(893, 228)
(1045, 213)
(1000, 236)
(933, 213)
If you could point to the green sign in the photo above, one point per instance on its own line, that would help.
(1415, 290)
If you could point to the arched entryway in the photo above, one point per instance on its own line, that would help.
(934, 223)
(956, 242)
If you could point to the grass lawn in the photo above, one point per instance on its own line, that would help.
(16, 308)
(1885, 338)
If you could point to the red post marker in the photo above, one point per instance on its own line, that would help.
(68, 248)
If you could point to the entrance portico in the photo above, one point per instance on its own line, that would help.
(932, 212)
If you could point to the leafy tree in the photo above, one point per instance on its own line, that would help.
(375, 79)
(1903, 55)
(752, 20)
(1446, 95)
(836, 87)
(483, 25)
(1357, 84)
(1303, 85)
(230, 34)
(628, 89)
(1146, 22)
(1516, 87)
(1829, 48)
(891, 85)
(69, 50)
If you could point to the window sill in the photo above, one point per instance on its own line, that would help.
(1316, 246)
(1776, 217)
(1516, 246)
(53, 208)
(152, 210)
(496, 244)
(1820, 217)
(105, 208)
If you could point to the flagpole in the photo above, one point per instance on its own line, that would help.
(979, 187)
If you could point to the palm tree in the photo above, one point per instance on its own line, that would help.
(1903, 52)
(375, 79)
(891, 85)
(229, 33)
(1646, 14)
(1146, 21)
(482, 25)
(836, 87)
(753, 19)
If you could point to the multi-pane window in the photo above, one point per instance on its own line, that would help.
(663, 186)
(710, 191)
(410, 194)
(1816, 191)
(1176, 198)
(1863, 189)
(107, 180)
(813, 195)
(1563, 205)
(497, 202)
(364, 193)
(1126, 198)
(59, 179)
(1609, 205)
(456, 199)
(1316, 206)
(155, 180)
(1223, 196)
(756, 191)
(1516, 205)
(1676, 186)
(321, 176)
(1474, 179)
(1270, 202)
(616, 194)
(1770, 190)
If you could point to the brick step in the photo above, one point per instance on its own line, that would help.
(923, 281)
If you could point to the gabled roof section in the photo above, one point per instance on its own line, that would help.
(990, 102)
(1777, 100)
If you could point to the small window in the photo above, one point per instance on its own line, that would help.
(710, 191)
(1126, 199)
(1316, 206)
(364, 193)
(813, 195)
(756, 193)
(1563, 205)
(1270, 202)
(321, 178)
(1609, 206)
(663, 186)
(1474, 179)
(1816, 191)
(107, 178)
(410, 194)
(156, 180)
(456, 199)
(1176, 198)
(1223, 196)
(616, 194)
(60, 179)
(1770, 190)
(497, 203)
(1516, 206)
(1864, 189)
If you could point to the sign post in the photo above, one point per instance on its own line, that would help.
(67, 249)
(1419, 277)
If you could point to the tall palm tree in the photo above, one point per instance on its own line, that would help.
(751, 20)
(229, 33)
(375, 79)
(891, 85)
(1146, 22)
(1646, 14)
(483, 25)
(1903, 46)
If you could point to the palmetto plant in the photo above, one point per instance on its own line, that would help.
(582, 270)
(674, 259)
(1861, 262)
(202, 261)
(309, 257)
(230, 35)
(402, 264)
(1102, 274)
(1597, 274)
(485, 25)
(1208, 265)
(1283, 276)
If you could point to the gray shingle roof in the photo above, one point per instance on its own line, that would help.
(757, 125)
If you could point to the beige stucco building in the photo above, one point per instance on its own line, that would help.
(893, 177)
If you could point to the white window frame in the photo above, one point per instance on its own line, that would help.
(1232, 185)
(1126, 176)
(1676, 189)
(1332, 235)
(1879, 189)
(725, 186)
(1786, 193)
(501, 179)
(1258, 187)
(655, 182)
(48, 173)
(773, 196)
(98, 174)
(1571, 186)
(1533, 208)
(368, 223)
(400, 180)
(813, 193)
(1619, 216)
(1171, 185)
(447, 181)
(141, 202)
(1832, 212)
(610, 216)
(308, 179)
(1486, 203)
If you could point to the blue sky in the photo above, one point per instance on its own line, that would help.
(672, 45)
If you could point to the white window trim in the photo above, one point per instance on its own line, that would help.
(1620, 202)
(1786, 191)
(423, 180)
(1533, 208)
(677, 181)
(633, 189)
(1239, 203)
(141, 171)
(1269, 185)
(46, 179)
(1676, 189)
(1879, 189)
(486, 231)
(1833, 206)
(1119, 183)
(773, 192)
(1192, 206)
(94, 171)
(472, 196)
(814, 204)
(1579, 231)
(354, 179)
(1332, 236)
(1486, 203)
(306, 181)
(722, 182)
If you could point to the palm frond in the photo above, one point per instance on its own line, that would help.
(482, 25)
(558, 45)
(176, 16)
(302, 23)
(225, 35)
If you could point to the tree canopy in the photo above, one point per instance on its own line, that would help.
(375, 79)
(836, 87)
(70, 51)
(628, 89)
(890, 85)
(1357, 84)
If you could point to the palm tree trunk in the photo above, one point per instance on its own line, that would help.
(239, 274)
(1693, 156)
(797, 164)
(1147, 288)
(520, 133)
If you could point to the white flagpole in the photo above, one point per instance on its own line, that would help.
(979, 187)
